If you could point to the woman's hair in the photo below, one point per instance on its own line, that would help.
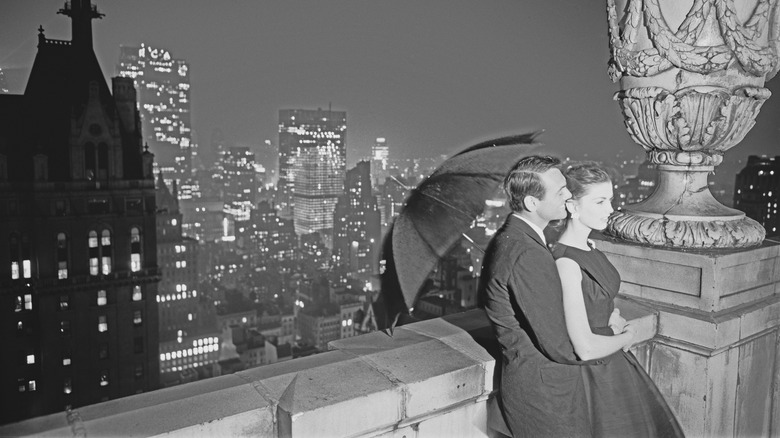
(579, 177)
(524, 180)
(582, 175)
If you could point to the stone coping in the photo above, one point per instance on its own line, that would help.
(368, 385)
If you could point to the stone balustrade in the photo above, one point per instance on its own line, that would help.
(431, 378)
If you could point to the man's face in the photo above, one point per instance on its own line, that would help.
(553, 205)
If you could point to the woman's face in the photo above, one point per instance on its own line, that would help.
(594, 207)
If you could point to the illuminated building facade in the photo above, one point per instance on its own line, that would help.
(637, 188)
(163, 85)
(312, 164)
(357, 224)
(78, 258)
(380, 155)
(240, 182)
(272, 239)
(757, 191)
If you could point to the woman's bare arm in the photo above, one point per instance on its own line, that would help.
(586, 344)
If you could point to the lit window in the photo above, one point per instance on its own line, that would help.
(62, 256)
(65, 327)
(102, 324)
(30, 359)
(32, 386)
(104, 378)
(93, 242)
(27, 271)
(64, 302)
(101, 298)
(135, 250)
(137, 318)
(28, 302)
(66, 359)
(14, 250)
(66, 387)
(137, 296)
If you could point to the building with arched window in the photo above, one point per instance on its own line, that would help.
(78, 259)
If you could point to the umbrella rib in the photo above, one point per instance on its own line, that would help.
(445, 203)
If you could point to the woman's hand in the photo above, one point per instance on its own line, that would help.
(631, 331)
(616, 322)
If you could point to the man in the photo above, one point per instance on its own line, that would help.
(541, 388)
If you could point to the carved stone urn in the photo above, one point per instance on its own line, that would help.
(691, 74)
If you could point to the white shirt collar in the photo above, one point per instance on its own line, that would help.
(535, 227)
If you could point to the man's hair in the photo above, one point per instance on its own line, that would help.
(524, 180)
(583, 175)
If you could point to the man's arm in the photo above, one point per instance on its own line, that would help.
(537, 288)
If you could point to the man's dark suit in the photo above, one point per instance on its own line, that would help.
(542, 392)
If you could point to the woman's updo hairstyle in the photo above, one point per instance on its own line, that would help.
(582, 175)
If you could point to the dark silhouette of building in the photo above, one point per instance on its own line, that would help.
(757, 191)
(78, 276)
(357, 224)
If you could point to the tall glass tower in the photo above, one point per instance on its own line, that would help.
(312, 166)
(163, 85)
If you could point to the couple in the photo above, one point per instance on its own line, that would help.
(565, 369)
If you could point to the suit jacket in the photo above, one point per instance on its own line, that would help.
(541, 388)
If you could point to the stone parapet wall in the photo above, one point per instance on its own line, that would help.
(431, 378)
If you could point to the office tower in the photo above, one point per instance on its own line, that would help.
(357, 224)
(183, 313)
(312, 163)
(272, 240)
(163, 85)
(380, 154)
(240, 182)
(78, 258)
(757, 191)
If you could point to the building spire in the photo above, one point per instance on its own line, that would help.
(81, 12)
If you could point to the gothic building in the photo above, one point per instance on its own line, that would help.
(78, 259)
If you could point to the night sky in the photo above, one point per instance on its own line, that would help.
(432, 76)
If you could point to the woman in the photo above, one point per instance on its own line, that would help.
(623, 400)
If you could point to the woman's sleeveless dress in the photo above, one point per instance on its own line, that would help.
(623, 400)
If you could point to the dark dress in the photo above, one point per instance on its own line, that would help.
(623, 401)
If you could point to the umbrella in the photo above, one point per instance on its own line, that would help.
(438, 211)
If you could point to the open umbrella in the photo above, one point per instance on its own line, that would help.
(438, 211)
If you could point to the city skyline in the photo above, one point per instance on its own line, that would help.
(430, 81)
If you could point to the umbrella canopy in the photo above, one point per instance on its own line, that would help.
(439, 211)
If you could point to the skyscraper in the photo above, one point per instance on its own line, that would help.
(757, 191)
(78, 262)
(357, 227)
(184, 315)
(163, 85)
(380, 166)
(312, 164)
(240, 182)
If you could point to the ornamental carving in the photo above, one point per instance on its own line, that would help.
(701, 123)
(740, 233)
(683, 48)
